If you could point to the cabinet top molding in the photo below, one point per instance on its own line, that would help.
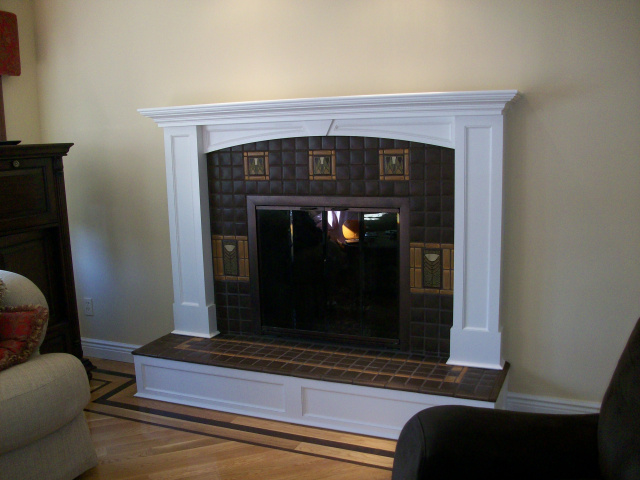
(34, 150)
(491, 102)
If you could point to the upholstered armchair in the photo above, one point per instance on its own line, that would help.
(43, 432)
(464, 442)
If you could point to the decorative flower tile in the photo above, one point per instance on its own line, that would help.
(394, 164)
(322, 164)
(431, 268)
(256, 165)
(230, 258)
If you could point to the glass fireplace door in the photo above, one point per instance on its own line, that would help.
(329, 273)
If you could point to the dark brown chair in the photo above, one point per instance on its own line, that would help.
(466, 442)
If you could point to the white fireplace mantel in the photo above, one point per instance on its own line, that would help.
(469, 122)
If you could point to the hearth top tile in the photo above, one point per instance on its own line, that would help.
(319, 361)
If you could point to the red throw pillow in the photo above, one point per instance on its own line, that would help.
(20, 332)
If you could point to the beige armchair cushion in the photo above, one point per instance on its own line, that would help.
(62, 455)
(57, 381)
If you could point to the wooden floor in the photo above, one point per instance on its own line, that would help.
(146, 439)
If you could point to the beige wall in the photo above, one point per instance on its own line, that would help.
(572, 191)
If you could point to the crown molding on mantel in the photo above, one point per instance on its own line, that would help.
(491, 102)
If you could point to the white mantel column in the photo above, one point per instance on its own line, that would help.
(194, 308)
(476, 332)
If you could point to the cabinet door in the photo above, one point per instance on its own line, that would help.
(34, 255)
(26, 193)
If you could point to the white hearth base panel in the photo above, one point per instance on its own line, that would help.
(350, 408)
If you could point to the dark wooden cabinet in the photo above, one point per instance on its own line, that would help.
(34, 235)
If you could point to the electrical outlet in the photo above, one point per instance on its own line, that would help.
(88, 306)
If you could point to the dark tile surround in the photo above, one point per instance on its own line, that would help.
(430, 187)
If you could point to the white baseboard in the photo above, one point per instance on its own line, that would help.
(120, 352)
(539, 404)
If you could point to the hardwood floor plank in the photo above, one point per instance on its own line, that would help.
(319, 433)
(139, 439)
(127, 397)
(168, 442)
(122, 367)
(359, 457)
(198, 428)
(177, 464)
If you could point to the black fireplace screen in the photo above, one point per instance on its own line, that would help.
(329, 272)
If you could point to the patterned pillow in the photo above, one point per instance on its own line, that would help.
(3, 289)
(20, 332)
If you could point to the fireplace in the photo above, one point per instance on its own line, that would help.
(334, 163)
(469, 123)
(329, 268)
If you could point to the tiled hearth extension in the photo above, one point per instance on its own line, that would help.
(317, 361)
